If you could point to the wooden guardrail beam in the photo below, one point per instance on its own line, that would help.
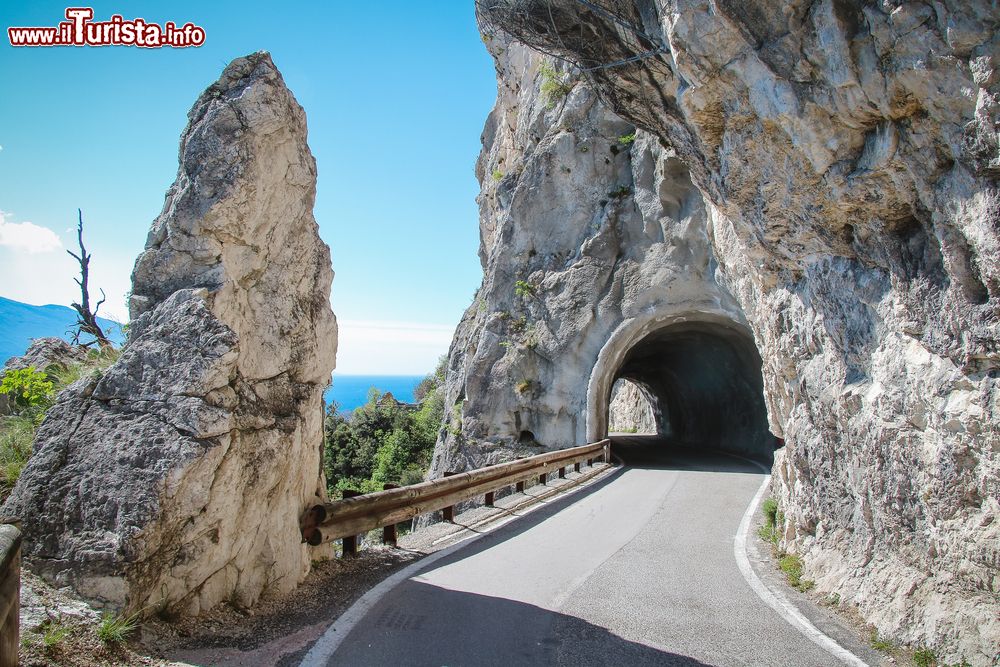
(10, 592)
(354, 516)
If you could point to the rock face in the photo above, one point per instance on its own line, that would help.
(821, 175)
(631, 410)
(176, 480)
(46, 352)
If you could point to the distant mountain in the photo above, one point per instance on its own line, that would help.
(20, 322)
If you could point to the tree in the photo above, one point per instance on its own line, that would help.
(86, 322)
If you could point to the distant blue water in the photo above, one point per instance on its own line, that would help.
(351, 391)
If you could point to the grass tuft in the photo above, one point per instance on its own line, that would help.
(115, 628)
(882, 644)
(791, 565)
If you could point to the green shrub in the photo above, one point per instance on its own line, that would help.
(115, 628)
(28, 387)
(555, 86)
(626, 139)
(770, 510)
(924, 657)
(497, 175)
(791, 565)
(524, 386)
(523, 288)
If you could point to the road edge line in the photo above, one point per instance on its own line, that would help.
(775, 598)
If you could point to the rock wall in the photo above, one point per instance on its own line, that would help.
(631, 410)
(176, 480)
(848, 157)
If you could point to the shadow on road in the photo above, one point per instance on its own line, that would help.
(496, 630)
(659, 453)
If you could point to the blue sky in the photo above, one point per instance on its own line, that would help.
(396, 93)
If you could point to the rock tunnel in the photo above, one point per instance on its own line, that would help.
(703, 378)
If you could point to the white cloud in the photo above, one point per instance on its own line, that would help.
(27, 236)
(53, 275)
(385, 347)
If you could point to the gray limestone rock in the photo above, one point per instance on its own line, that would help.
(176, 479)
(819, 178)
(46, 352)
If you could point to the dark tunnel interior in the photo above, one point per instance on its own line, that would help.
(705, 381)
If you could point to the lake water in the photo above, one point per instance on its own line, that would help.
(351, 391)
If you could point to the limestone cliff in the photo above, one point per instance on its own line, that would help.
(818, 179)
(175, 480)
(631, 410)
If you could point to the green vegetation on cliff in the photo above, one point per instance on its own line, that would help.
(384, 441)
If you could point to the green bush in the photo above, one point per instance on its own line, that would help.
(770, 510)
(28, 387)
(497, 175)
(523, 288)
(555, 86)
(626, 139)
(791, 565)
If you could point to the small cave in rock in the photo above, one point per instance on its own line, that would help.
(703, 386)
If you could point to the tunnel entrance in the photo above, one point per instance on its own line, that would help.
(703, 381)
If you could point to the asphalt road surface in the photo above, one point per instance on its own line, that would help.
(637, 569)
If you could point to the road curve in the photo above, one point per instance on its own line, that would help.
(636, 570)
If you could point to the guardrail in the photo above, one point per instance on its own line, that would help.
(352, 516)
(10, 593)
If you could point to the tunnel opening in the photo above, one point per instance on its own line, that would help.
(703, 382)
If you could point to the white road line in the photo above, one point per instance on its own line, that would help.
(775, 598)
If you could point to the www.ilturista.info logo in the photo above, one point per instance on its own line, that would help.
(80, 30)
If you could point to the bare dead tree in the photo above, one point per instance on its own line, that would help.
(86, 322)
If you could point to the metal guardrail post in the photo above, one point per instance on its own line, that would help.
(448, 513)
(349, 543)
(576, 467)
(519, 487)
(10, 592)
(489, 499)
(562, 473)
(389, 533)
(542, 478)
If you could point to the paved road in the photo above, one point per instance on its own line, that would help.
(636, 570)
